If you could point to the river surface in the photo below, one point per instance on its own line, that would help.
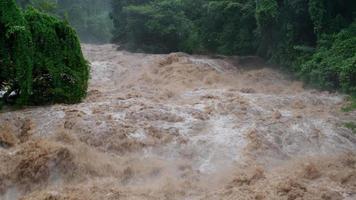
(178, 126)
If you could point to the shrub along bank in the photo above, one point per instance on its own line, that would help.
(40, 58)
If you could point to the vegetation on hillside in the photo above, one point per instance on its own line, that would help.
(314, 38)
(90, 18)
(40, 58)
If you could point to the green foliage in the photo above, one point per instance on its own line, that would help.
(15, 53)
(40, 56)
(90, 18)
(157, 26)
(227, 27)
(266, 14)
(182, 25)
(317, 14)
(60, 72)
(119, 17)
(314, 38)
(333, 65)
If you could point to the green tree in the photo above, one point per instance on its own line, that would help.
(60, 73)
(15, 53)
(40, 58)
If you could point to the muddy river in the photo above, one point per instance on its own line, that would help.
(178, 126)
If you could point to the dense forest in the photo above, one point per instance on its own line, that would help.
(314, 38)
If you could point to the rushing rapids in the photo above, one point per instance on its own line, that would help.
(181, 127)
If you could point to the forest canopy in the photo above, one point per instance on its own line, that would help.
(40, 58)
(314, 38)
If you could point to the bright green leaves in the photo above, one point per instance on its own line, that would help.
(333, 65)
(13, 30)
(41, 59)
(60, 72)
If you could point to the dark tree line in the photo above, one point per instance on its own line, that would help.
(314, 38)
